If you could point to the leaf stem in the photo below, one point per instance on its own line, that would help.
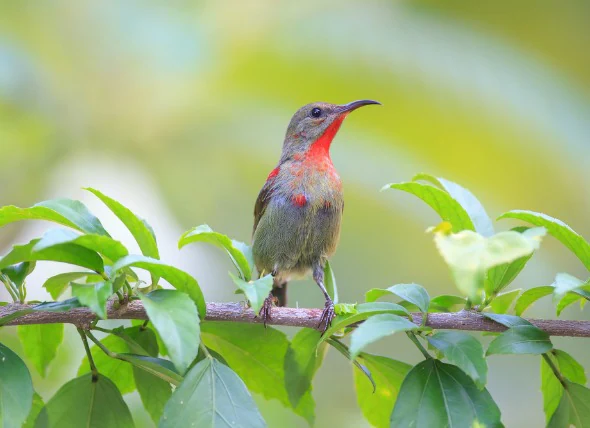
(99, 344)
(341, 347)
(172, 380)
(104, 330)
(93, 368)
(9, 287)
(554, 368)
(205, 350)
(22, 292)
(414, 339)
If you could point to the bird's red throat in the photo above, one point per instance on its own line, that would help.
(317, 155)
(320, 148)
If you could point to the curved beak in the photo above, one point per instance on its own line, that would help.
(347, 108)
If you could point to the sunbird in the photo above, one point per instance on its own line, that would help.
(298, 211)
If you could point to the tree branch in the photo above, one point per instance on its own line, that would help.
(295, 317)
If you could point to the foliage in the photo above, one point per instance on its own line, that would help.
(211, 369)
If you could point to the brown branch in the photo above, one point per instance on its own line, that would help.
(295, 317)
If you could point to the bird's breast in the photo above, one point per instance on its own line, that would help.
(316, 184)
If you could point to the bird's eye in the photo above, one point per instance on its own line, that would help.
(316, 112)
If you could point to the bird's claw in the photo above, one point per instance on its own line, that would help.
(265, 311)
(327, 316)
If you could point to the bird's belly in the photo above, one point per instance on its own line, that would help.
(291, 239)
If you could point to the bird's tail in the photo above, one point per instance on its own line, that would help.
(279, 292)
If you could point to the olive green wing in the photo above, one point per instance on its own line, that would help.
(262, 202)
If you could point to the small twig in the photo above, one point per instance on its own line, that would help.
(88, 353)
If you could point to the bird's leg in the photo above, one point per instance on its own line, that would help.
(265, 311)
(328, 312)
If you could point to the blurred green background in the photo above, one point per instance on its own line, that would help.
(179, 109)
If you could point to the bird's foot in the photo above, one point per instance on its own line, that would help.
(327, 316)
(265, 311)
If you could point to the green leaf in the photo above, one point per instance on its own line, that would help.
(330, 282)
(211, 395)
(36, 408)
(179, 279)
(84, 402)
(530, 296)
(246, 250)
(57, 284)
(569, 367)
(119, 371)
(503, 301)
(204, 233)
(564, 283)
(175, 317)
(364, 311)
(389, 374)
(558, 229)
(257, 355)
(16, 389)
(18, 273)
(521, 339)
(412, 293)
(446, 303)
(481, 221)
(152, 375)
(302, 360)
(574, 407)
(567, 290)
(435, 394)
(567, 300)
(40, 343)
(94, 296)
(102, 244)
(63, 306)
(65, 253)
(499, 277)
(506, 320)
(345, 308)
(141, 231)
(161, 347)
(378, 327)
(158, 367)
(256, 291)
(445, 206)
(141, 340)
(470, 255)
(551, 386)
(464, 351)
(153, 391)
(67, 212)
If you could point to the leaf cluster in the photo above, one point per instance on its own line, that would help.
(190, 371)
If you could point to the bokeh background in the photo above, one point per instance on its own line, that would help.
(179, 109)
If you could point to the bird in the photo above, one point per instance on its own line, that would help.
(298, 212)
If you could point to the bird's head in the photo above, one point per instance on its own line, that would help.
(316, 124)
